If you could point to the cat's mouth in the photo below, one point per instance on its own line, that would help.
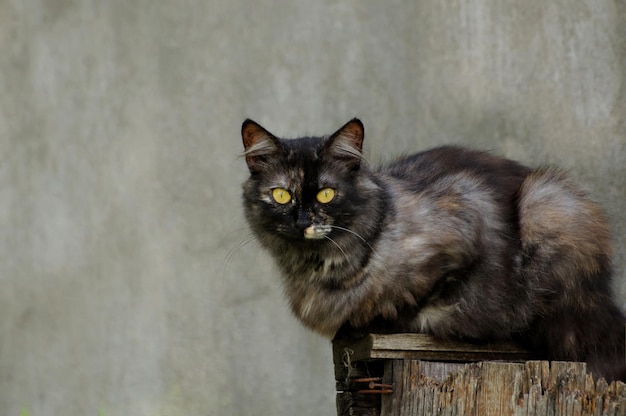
(316, 232)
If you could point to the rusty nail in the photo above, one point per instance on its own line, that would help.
(373, 385)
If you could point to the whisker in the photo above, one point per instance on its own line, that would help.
(340, 249)
(355, 234)
(231, 253)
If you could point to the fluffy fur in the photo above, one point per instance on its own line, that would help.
(450, 241)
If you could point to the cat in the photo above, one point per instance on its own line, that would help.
(452, 242)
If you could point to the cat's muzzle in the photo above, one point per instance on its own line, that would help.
(316, 232)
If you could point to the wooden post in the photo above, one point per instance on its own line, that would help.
(415, 375)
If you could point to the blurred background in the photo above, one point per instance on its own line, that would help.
(129, 284)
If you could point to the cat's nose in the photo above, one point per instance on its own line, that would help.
(303, 220)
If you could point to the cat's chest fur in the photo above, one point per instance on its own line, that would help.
(423, 237)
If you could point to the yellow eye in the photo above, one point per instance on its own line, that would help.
(281, 195)
(326, 195)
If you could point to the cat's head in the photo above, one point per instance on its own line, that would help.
(306, 190)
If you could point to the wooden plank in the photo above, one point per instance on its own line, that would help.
(426, 347)
(499, 383)
(387, 405)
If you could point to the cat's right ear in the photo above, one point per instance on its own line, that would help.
(346, 143)
(259, 145)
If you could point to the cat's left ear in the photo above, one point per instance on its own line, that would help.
(259, 145)
(346, 143)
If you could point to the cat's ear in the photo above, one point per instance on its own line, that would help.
(346, 143)
(259, 145)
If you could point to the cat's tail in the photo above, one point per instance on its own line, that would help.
(566, 262)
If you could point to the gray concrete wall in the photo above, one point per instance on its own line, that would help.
(128, 283)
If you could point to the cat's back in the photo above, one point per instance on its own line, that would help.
(422, 170)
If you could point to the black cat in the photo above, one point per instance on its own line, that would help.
(453, 242)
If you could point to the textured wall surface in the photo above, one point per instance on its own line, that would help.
(129, 285)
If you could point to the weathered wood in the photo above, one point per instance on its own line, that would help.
(425, 347)
(428, 378)
(500, 388)
(349, 401)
